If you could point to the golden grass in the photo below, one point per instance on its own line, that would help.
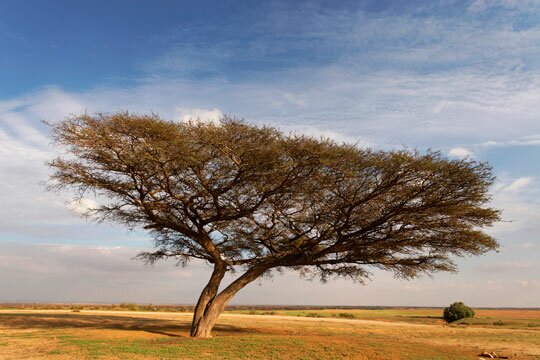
(514, 318)
(138, 335)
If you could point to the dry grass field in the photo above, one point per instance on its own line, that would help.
(286, 334)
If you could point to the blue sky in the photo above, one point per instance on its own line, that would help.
(462, 77)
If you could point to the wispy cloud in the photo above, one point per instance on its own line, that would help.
(521, 5)
(530, 140)
(518, 199)
(518, 184)
(528, 284)
(506, 266)
(10, 33)
(530, 245)
(83, 206)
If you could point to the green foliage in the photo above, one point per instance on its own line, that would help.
(457, 311)
(346, 315)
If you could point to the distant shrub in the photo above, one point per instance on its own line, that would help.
(261, 312)
(457, 311)
(499, 323)
(130, 306)
(346, 315)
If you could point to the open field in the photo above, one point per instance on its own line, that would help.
(509, 318)
(62, 334)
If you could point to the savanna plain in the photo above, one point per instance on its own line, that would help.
(385, 333)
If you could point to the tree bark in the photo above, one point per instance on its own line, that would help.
(216, 304)
(207, 295)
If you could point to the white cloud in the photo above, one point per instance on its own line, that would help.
(83, 206)
(521, 219)
(460, 152)
(522, 5)
(454, 83)
(518, 199)
(414, 288)
(492, 285)
(530, 140)
(296, 99)
(518, 184)
(319, 132)
(392, 109)
(204, 115)
(528, 284)
(53, 104)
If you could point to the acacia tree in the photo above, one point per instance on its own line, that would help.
(251, 199)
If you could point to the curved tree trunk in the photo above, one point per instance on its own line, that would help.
(204, 320)
(203, 328)
(207, 295)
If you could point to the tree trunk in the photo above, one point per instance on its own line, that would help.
(214, 306)
(207, 295)
(203, 328)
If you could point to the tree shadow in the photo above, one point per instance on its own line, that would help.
(171, 328)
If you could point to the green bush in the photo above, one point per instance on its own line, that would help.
(346, 315)
(457, 311)
(130, 306)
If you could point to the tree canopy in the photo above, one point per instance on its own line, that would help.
(457, 311)
(250, 198)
